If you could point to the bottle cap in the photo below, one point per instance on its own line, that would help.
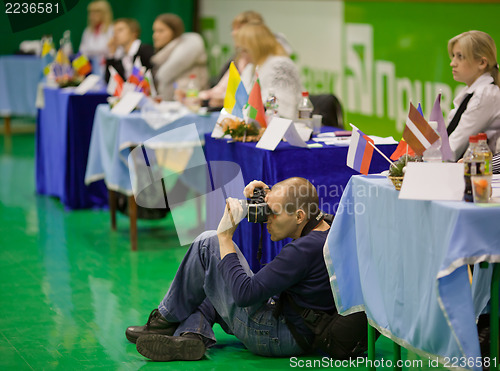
(192, 76)
(473, 139)
(482, 136)
(305, 93)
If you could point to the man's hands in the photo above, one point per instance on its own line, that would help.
(231, 218)
(248, 191)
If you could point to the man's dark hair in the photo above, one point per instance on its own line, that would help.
(298, 193)
(132, 24)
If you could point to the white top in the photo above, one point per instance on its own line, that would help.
(482, 115)
(128, 58)
(95, 44)
(280, 74)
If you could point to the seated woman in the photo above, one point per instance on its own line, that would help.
(275, 69)
(215, 95)
(477, 107)
(178, 55)
(99, 31)
(125, 47)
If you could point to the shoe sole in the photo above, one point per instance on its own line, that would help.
(170, 348)
(133, 336)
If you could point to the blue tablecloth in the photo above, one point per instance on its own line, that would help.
(19, 77)
(404, 263)
(63, 132)
(114, 135)
(325, 167)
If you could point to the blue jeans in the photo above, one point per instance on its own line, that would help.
(199, 296)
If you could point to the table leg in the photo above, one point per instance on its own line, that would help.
(397, 356)
(132, 214)
(495, 285)
(7, 134)
(371, 348)
(112, 208)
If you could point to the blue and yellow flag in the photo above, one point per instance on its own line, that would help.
(47, 56)
(236, 95)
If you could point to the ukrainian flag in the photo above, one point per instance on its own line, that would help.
(236, 95)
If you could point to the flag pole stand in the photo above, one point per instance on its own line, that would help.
(379, 151)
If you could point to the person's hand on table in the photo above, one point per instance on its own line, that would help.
(248, 191)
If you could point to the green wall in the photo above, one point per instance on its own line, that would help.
(76, 19)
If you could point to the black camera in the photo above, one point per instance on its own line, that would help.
(258, 209)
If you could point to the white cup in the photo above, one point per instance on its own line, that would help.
(316, 121)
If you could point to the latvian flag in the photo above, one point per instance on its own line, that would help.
(115, 84)
(360, 151)
(418, 133)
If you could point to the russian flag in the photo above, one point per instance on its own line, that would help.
(236, 95)
(360, 152)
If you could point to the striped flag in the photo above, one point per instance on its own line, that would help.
(115, 84)
(149, 84)
(360, 151)
(47, 56)
(137, 75)
(418, 133)
(255, 106)
(82, 65)
(437, 115)
(236, 94)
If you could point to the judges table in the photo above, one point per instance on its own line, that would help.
(325, 167)
(64, 127)
(404, 262)
(19, 76)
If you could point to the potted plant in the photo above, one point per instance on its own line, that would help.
(397, 170)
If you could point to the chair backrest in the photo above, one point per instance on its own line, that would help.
(330, 108)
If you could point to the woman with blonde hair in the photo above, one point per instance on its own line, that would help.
(477, 107)
(178, 56)
(99, 30)
(269, 60)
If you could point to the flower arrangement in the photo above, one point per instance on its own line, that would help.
(397, 170)
(239, 130)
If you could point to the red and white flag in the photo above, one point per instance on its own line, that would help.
(418, 133)
(115, 84)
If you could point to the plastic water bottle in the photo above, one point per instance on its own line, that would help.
(65, 43)
(305, 110)
(433, 153)
(471, 163)
(192, 100)
(271, 106)
(484, 153)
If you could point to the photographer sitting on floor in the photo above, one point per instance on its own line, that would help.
(215, 284)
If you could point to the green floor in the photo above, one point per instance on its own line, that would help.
(69, 286)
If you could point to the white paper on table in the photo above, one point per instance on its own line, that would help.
(128, 102)
(278, 129)
(433, 181)
(303, 130)
(88, 84)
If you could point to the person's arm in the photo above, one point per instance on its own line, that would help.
(227, 226)
(475, 119)
(495, 163)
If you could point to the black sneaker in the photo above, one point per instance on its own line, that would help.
(156, 324)
(171, 348)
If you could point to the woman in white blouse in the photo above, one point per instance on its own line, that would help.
(477, 108)
(275, 70)
(99, 31)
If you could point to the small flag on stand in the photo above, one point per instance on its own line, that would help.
(360, 152)
(137, 75)
(236, 94)
(255, 106)
(401, 150)
(418, 133)
(62, 67)
(81, 65)
(115, 84)
(47, 56)
(437, 115)
(149, 84)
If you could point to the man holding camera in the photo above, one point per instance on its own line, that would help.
(272, 311)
